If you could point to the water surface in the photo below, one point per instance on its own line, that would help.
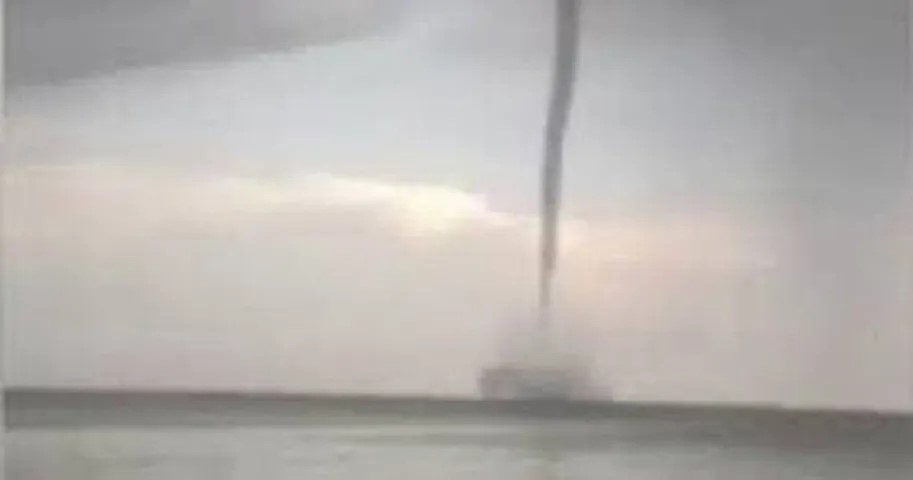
(356, 441)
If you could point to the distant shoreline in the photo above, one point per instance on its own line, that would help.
(37, 407)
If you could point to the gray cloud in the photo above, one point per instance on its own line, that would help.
(59, 40)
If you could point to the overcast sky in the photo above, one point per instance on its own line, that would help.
(355, 211)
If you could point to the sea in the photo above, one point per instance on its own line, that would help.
(133, 437)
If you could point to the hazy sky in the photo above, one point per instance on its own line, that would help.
(358, 213)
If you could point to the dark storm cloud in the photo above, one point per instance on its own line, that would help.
(56, 40)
